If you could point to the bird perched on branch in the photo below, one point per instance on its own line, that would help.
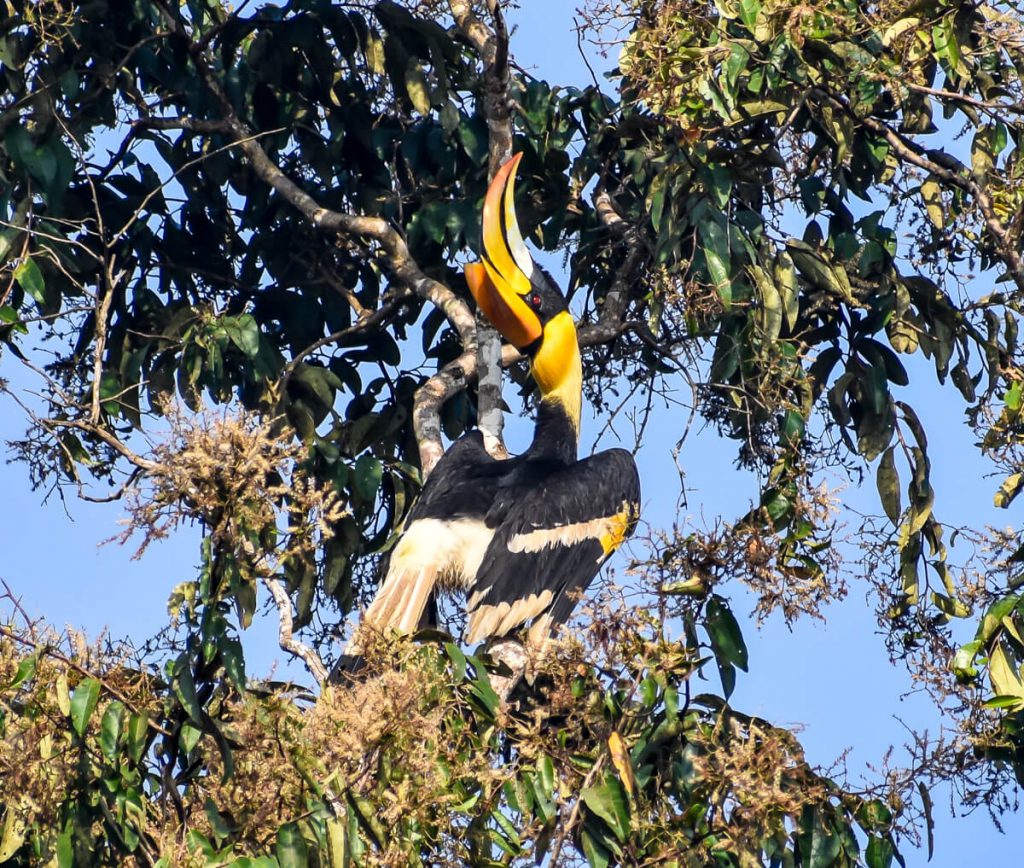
(523, 537)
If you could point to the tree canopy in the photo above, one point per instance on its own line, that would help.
(231, 250)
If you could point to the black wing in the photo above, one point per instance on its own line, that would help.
(463, 484)
(444, 538)
(552, 534)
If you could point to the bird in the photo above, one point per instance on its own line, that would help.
(522, 536)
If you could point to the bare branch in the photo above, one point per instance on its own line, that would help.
(335, 283)
(104, 298)
(431, 397)
(567, 827)
(285, 636)
(492, 47)
(103, 434)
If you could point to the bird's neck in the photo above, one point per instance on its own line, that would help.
(555, 437)
(558, 371)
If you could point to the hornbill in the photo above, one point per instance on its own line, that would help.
(524, 536)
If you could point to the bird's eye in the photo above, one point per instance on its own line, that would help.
(535, 299)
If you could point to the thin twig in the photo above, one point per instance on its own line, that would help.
(567, 826)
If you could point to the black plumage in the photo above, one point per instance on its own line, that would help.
(524, 536)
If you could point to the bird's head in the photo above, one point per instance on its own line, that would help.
(522, 302)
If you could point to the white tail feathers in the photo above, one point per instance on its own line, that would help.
(496, 620)
(431, 555)
(399, 605)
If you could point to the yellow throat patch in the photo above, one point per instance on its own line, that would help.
(558, 368)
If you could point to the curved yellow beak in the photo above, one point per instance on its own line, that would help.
(501, 283)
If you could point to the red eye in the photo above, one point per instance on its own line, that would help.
(535, 300)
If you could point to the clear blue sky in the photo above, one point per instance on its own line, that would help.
(832, 679)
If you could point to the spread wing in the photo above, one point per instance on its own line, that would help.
(552, 534)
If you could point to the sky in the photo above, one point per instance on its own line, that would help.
(833, 679)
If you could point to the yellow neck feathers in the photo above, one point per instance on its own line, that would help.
(558, 368)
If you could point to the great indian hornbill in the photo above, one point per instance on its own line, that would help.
(522, 536)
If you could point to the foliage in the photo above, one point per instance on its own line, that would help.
(265, 209)
(399, 767)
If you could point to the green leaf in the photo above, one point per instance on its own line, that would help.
(1013, 397)
(38, 160)
(458, 660)
(65, 848)
(416, 87)
(26, 670)
(31, 279)
(336, 833)
(874, 814)
(609, 802)
(879, 853)
(110, 729)
(291, 850)
(888, 483)
(481, 686)
(716, 253)
(368, 473)
(819, 844)
(785, 279)
(1006, 680)
(185, 689)
(244, 333)
(510, 833)
(656, 199)
(138, 730)
(931, 194)
(724, 632)
(218, 825)
(189, 737)
(546, 776)
(963, 661)
(792, 428)
(1009, 490)
(83, 703)
(234, 661)
(950, 606)
(597, 855)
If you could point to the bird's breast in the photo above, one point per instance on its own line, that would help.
(451, 549)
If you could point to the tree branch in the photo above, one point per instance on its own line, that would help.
(492, 47)
(103, 434)
(395, 254)
(285, 631)
(952, 172)
(431, 397)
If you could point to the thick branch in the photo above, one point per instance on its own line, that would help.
(492, 47)
(105, 296)
(431, 397)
